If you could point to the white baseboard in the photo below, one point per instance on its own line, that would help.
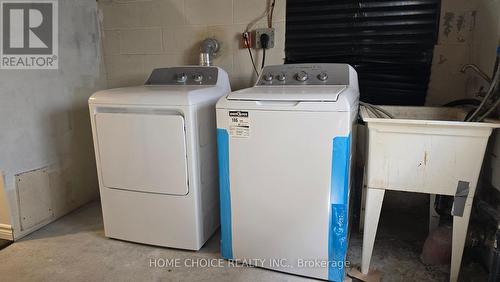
(6, 232)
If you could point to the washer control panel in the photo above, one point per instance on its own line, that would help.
(184, 76)
(304, 74)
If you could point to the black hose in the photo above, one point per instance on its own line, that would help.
(263, 58)
(264, 41)
(463, 102)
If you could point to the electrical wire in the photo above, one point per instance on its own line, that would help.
(270, 25)
(270, 14)
(245, 37)
(264, 42)
(252, 23)
(269, 9)
(263, 58)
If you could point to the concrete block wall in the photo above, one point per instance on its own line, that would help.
(140, 35)
(469, 32)
(47, 163)
(452, 51)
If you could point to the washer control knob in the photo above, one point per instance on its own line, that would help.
(302, 76)
(197, 77)
(281, 77)
(268, 76)
(181, 77)
(323, 76)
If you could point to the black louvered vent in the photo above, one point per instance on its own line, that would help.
(390, 43)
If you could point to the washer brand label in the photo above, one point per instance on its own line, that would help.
(239, 124)
(238, 114)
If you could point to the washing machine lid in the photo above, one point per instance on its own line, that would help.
(289, 93)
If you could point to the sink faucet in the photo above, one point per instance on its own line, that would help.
(477, 70)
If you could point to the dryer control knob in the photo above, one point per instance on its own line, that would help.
(302, 76)
(268, 76)
(197, 77)
(281, 77)
(181, 77)
(323, 76)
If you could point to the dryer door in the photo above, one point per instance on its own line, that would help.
(142, 152)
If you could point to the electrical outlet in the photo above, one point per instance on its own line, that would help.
(243, 42)
(261, 31)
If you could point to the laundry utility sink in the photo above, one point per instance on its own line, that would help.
(428, 150)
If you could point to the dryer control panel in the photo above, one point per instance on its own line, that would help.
(184, 76)
(304, 74)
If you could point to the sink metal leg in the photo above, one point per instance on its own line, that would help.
(374, 199)
(460, 225)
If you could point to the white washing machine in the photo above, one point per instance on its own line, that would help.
(155, 147)
(284, 150)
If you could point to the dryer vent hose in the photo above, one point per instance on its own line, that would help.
(208, 48)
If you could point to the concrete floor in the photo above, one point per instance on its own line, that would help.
(74, 248)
